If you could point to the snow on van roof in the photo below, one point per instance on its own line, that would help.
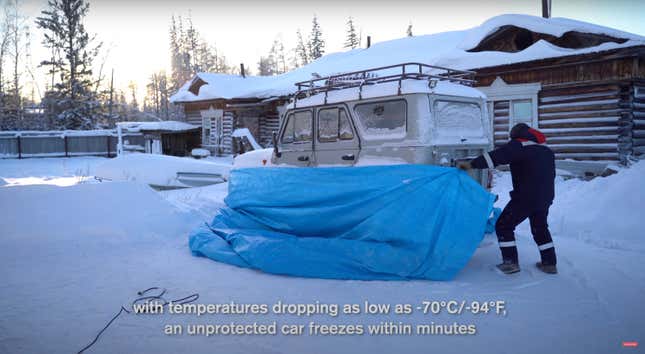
(389, 89)
(449, 49)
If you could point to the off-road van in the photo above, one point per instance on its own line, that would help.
(407, 113)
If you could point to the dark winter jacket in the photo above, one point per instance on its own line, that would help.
(532, 166)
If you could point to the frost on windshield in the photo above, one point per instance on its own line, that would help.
(458, 119)
(382, 118)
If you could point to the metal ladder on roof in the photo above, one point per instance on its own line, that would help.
(383, 74)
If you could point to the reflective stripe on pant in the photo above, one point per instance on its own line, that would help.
(514, 213)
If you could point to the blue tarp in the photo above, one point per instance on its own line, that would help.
(377, 222)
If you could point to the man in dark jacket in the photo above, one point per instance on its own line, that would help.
(533, 172)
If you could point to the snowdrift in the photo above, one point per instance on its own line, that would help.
(604, 211)
(377, 222)
(157, 170)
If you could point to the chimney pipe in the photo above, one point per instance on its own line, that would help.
(546, 8)
(242, 70)
(369, 41)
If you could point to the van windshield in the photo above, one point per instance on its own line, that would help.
(458, 119)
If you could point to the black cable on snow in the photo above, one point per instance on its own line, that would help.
(146, 300)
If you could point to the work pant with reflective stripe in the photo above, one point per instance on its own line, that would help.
(514, 213)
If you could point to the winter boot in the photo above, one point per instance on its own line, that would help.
(547, 268)
(509, 267)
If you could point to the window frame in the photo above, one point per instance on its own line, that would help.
(499, 90)
(338, 137)
(288, 117)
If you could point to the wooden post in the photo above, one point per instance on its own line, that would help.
(242, 70)
(546, 8)
(369, 41)
(111, 96)
(107, 139)
(66, 150)
(19, 148)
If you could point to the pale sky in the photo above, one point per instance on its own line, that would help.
(136, 31)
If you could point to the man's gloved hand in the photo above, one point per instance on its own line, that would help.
(464, 165)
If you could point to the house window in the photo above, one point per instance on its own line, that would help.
(206, 130)
(522, 112)
(509, 104)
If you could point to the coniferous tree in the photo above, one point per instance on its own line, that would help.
(265, 66)
(279, 58)
(176, 62)
(191, 54)
(316, 43)
(275, 62)
(75, 105)
(352, 38)
(301, 49)
(156, 100)
(5, 32)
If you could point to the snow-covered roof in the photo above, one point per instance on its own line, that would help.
(168, 125)
(448, 49)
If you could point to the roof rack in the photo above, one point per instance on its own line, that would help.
(391, 73)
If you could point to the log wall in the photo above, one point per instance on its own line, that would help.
(638, 112)
(261, 121)
(591, 107)
(586, 122)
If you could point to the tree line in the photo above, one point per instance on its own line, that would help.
(79, 91)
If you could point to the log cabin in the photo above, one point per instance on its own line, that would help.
(580, 83)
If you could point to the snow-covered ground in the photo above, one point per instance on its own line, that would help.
(56, 171)
(71, 256)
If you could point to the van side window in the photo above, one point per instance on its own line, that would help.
(383, 118)
(345, 129)
(333, 125)
(299, 127)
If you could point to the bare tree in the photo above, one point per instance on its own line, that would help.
(5, 32)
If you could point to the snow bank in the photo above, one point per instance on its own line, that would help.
(605, 211)
(132, 204)
(255, 158)
(158, 170)
(56, 171)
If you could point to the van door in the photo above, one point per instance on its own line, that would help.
(337, 142)
(296, 139)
